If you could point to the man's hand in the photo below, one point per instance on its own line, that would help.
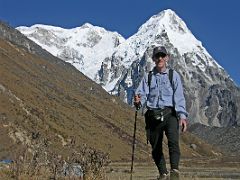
(137, 102)
(137, 98)
(183, 123)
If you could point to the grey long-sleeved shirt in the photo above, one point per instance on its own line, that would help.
(161, 92)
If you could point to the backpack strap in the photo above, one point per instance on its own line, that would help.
(150, 79)
(170, 76)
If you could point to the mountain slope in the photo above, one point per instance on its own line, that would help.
(226, 138)
(216, 97)
(45, 99)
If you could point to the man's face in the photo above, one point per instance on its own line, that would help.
(160, 60)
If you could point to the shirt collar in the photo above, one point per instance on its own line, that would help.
(164, 72)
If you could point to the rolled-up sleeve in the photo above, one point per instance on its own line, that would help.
(179, 99)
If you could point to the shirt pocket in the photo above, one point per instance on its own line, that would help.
(153, 90)
(167, 89)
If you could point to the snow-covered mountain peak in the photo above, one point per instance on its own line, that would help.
(85, 47)
(37, 27)
(161, 29)
(89, 27)
(166, 19)
(86, 25)
(177, 31)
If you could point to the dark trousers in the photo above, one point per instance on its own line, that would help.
(170, 126)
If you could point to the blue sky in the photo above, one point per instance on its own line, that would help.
(214, 22)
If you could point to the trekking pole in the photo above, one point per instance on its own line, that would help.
(133, 144)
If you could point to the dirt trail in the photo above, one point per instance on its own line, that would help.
(190, 169)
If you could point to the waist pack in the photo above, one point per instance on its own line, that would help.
(159, 114)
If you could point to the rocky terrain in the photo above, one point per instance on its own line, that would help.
(225, 138)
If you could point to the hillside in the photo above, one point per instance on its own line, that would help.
(59, 103)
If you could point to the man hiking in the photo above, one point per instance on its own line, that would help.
(162, 92)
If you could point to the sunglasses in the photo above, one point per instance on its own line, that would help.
(160, 55)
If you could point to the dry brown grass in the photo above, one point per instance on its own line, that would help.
(38, 162)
